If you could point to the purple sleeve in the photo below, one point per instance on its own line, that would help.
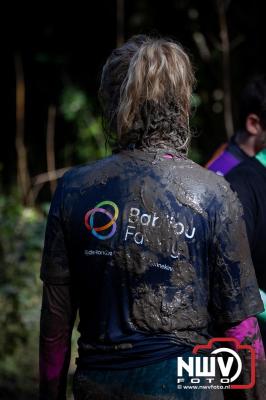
(223, 163)
(248, 332)
(57, 319)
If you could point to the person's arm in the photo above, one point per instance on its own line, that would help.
(248, 332)
(58, 315)
(59, 303)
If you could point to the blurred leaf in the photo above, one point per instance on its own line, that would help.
(90, 141)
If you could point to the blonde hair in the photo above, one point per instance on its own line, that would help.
(146, 92)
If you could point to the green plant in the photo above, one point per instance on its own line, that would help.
(21, 241)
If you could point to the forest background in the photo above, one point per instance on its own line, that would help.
(52, 58)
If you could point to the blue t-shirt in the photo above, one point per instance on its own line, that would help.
(157, 253)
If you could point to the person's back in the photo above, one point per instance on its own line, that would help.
(148, 246)
(131, 224)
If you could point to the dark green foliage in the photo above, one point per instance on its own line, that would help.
(90, 142)
(21, 240)
(62, 57)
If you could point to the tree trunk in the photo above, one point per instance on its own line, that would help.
(225, 45)
(23, 177)
(120, 22)
(50, 153)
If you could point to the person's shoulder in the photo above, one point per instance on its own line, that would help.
(205, 189)
(88, 172)
(202, 181)
(202, 175)
(245, 171)
(216, 156)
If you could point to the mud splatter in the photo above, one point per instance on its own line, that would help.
(183, 275)
(184, 196)
(132, 260)
(167, 309)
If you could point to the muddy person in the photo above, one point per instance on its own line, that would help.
(149, 247)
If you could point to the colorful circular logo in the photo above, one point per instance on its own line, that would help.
(89, 219)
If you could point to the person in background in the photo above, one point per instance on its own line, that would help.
(148, 246)
(250, 138)
(249, 181)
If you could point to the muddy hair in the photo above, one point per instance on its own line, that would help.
(145, 93)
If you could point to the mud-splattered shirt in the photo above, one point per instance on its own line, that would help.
(157, 253)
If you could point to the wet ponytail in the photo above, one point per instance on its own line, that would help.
(147, 85)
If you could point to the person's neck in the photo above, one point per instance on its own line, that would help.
(248, 149)
(246, 144)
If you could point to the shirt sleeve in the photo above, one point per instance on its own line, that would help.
(234, 289)
(55, 260)
(58, 314)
